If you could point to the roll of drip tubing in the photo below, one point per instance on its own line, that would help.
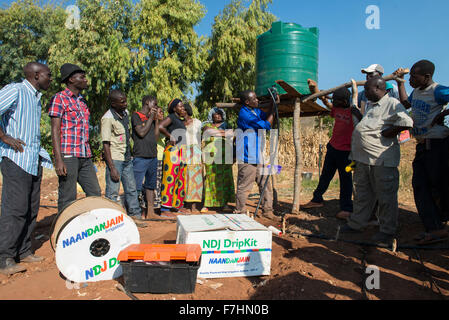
(88, 236)
(75, 208)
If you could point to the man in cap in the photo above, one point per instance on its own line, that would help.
(375, 70)
(22, 158)
(70, 136)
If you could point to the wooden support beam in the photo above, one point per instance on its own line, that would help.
(298, 166)
(348, 85)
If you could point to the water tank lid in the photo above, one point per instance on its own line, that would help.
(278, 27)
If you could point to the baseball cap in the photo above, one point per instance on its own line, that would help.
(373, 68)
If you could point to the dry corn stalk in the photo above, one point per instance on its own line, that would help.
(310, 145)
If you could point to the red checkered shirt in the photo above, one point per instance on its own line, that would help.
(74, 115)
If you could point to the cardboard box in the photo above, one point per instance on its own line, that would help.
(233, 245)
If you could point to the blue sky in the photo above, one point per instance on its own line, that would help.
(409, 31)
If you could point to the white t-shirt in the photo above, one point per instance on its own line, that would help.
(193, 133)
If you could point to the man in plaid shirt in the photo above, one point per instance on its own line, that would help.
(70, 136)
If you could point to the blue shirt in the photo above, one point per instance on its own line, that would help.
(20, 112)
(250, 139)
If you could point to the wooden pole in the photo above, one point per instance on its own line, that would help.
(349, 85)
(298, 166)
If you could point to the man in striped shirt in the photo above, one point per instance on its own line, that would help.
(70, 136)
(21, 164)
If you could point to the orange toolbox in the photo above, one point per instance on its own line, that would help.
(160, 268)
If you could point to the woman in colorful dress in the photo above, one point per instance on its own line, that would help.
(173, 173)
(194, 169)
(219, 182)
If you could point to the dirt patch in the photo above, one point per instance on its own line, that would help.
(304, 264)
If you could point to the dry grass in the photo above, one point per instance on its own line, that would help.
(310, 141)
(310, 146)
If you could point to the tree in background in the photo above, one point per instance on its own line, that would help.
(171, 56)
(27, 30)
(232, 52)
(145, 47)
(99, 44)
(100, 47)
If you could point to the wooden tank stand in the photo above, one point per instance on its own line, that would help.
(294, 104)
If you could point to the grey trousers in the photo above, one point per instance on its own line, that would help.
(20, 206)
(79, 170)
(247, 175)
(373, 183)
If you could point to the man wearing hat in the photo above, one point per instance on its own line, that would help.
(372, 71)
(70, 136)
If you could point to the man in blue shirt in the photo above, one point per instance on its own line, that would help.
(252, 124)
(21, 164)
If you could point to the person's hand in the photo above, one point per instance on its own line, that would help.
(229, 133)
(16, 144)
(60, 168)
(313, 86)
(115, 175)
(355, 92)
(399, 73)
(354, 86)
(153, 113)
(172, 141)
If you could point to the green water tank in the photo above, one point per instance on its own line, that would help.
(286, 52)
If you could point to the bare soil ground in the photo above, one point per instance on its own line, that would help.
(303, 267)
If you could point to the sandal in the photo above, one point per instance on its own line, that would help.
(184, 211)
(168, 215)
(344, 215)
(204, 210)
(430, 238)
(311, 204)
(227, 208)
(420, 237)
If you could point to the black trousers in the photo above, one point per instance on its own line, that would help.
(335, 160)
(430, 183)
(79, 170)
(20, 206)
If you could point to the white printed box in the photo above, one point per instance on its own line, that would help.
(233, 245)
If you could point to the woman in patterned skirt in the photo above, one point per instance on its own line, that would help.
(218, 158)
(173, 173)
(194, 169)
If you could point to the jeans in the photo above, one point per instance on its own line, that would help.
(20, 206)
(125, 169)
(145, 168)
(79, 170)
(335, 160)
